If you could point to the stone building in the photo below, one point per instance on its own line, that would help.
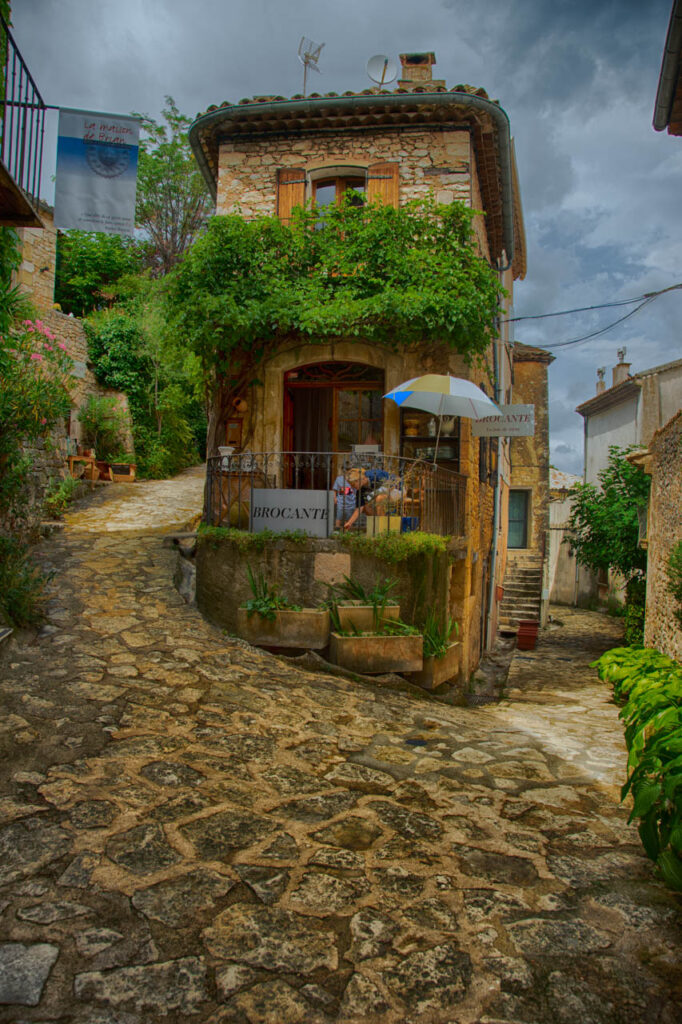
(269, 154)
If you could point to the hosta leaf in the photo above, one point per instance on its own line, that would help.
(670, 866)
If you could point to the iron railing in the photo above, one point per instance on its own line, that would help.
(373, 492)
(23, 119)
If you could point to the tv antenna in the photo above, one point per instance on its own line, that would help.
(381, 69)
(309, 54)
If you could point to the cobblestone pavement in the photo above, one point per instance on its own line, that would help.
(193, 830)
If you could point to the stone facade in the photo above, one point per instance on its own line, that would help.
(664, 463)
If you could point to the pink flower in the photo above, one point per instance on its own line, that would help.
(43, 422)
(27, 323)
(61, 345)
(37, 356)
(50, 335)
(39, 325)
(48, 348)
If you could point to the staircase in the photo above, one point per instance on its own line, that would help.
(522, 590)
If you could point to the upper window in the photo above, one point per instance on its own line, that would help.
(326, 185)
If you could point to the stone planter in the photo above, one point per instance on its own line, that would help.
(374, 653)
(123, 472)
(353, 615)
(308, 628)
(439, 670)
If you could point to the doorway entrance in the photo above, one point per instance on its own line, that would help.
(517, 536)
(328, 407)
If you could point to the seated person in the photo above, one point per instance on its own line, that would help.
(349, 488)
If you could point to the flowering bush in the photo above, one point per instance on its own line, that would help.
(34, 369)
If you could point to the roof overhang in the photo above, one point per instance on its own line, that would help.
(610, 397)
(668, 109)
(376, 111)
(16, 210)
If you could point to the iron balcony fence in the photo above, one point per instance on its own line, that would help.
(373, 492)
(23, 119)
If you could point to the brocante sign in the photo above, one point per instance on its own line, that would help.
(514, 421)
(278, 510)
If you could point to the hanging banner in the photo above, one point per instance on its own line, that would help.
(96, 172)
(513, 421)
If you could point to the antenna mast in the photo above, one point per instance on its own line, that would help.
(309, 54)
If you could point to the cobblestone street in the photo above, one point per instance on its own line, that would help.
(194, 830)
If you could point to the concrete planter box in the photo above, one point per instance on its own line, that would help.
(308, 628)
(353, 615)
(375, 654)
(438, 670)
(123, 472)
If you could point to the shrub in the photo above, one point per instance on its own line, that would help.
(650, 685)
(396, 547)
(103, 424)
(21, 584)
(58, 496)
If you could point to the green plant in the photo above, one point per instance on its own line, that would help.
(374, 272)
(353, 590)
(675, 578)
(245, 541)
(103, 423)
(90, 266)
(21, 584)
(650, 685)
(266, 600)
(438, 634)
(58, 496)
(396, 547)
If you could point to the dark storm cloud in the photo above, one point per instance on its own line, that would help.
(578, 79)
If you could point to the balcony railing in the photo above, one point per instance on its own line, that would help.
(375, 492)
(23, 120)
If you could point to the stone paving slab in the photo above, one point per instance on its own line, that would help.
(193, 830)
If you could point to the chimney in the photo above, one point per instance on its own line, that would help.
(621, 370)
(417, 71)
(601, 385)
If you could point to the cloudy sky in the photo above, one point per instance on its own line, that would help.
(578, 78)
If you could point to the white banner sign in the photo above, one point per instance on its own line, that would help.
(96, 172)
(277, 509)
(515, 421)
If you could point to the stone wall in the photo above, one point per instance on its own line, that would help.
(661, 628)
(530, 455)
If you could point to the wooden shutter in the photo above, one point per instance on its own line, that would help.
(382, 182)
(290, 191)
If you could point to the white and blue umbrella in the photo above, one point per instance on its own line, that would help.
(441, 396)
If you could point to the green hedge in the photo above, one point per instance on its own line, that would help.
(649, 685)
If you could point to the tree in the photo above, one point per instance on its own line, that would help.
(604, 529)
(393, 277)
(173, 202)
(90, 265)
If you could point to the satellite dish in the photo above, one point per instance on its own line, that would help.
(309, 54)
(381, 69)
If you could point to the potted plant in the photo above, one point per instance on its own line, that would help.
(441, 653)
(394, 646)
(268, 619)
(103, 427)
(356, 609)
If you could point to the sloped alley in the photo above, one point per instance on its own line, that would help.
(193, 830)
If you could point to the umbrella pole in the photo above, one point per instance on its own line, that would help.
(440, 424)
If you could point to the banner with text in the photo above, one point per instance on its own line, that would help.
(279, 509)
(96, 172)
(514, 421)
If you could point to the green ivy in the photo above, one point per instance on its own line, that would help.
(244, 541)
(649, 684)
(396, 547)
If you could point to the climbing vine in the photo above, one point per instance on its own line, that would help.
(395, 277)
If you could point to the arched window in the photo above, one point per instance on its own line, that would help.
(326, 185)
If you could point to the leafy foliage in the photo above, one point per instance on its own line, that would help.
(34, 369)
(604, 523)
(396, 547)
(58, 496)
(133, 351)
(173, 202)
(650, 684)
(90, 267)
(21, 584)
(103, 424)
(245, 541)
(266, 600)
(438, 634)
(395, 277)
(675, 578)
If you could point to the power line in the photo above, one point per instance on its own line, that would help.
(601, 305)
(603, 330)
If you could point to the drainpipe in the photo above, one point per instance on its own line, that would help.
(499, 389)
(311, 108)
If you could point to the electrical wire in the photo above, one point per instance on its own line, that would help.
(643, 301)
(601, 305)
